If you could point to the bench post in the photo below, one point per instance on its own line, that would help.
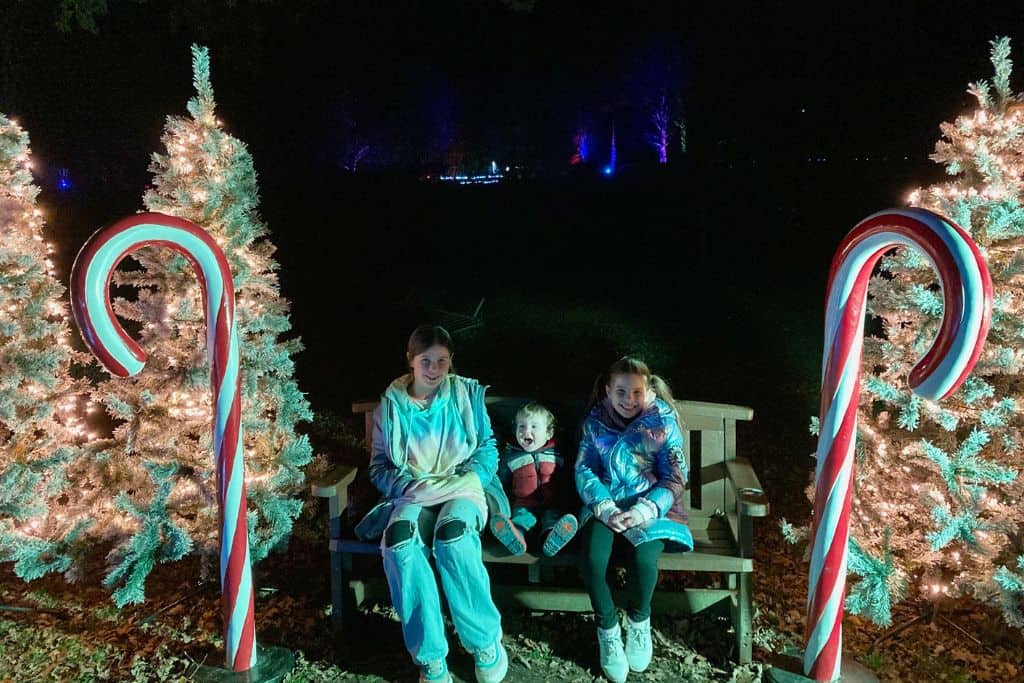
(743, 613)
(743, 618)
(336, 493)
(337, 572)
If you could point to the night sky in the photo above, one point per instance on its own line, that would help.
(770, 81)
(801, 119)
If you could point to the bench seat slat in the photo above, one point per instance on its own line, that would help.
(699, 560)
(561, 599)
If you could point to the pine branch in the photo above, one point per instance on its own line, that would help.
(880, 583)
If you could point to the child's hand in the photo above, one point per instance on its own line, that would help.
(617, 521)
(642, 512)
(631, 518)
(608, 513)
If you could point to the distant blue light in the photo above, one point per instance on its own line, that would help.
(63, 180)
(612, 155)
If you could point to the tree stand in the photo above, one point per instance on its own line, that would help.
(272, 665)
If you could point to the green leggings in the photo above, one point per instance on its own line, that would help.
(641, 564)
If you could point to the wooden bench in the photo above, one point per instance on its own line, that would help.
(723, 498)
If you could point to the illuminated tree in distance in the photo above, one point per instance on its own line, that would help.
(581, 142)
(661, 121)
(665, 114)
(354, 155)
(353, 146)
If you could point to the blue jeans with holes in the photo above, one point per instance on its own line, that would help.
(452, 532)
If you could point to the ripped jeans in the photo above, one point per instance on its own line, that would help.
(452, 531)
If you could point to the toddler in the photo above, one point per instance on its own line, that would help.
(534, 476)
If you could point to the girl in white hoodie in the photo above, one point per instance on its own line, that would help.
(433, 454)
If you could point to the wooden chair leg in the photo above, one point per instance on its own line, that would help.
(337, 593)
(743, 617)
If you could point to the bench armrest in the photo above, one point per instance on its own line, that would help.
(334, 487)
(750, 497)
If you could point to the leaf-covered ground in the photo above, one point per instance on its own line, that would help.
(54, 631)
(51, 630)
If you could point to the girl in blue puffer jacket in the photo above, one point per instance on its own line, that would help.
(630, 474)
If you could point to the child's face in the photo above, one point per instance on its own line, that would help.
(532, 432)
(430, 368)
(627, 394)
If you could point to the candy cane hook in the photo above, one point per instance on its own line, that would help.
(90, 284)
(967, 291)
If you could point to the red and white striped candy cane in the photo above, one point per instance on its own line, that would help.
(967, 291)
(90, 284)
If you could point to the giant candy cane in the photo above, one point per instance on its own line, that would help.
(967, 291)
(90, 282)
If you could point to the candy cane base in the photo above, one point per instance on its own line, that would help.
(789, 670)
(272, 665)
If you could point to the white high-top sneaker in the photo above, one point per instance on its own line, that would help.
(435, 672)
(491, 663)
(613, 657)
(638, 644)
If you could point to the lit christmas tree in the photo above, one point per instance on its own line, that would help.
(160, 458)
(41, 432)
(937, 493)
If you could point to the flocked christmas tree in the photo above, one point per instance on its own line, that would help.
(41, 430)
(938, 496)
(161, 460)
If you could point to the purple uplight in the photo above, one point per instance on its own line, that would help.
(610, 168)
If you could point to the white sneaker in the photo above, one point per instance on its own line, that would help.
(435, 672)
(638, 644)
(613, 657)
(491, 663)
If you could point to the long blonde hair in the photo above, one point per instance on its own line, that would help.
(628, 365)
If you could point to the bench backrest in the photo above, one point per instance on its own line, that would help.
(709, 441)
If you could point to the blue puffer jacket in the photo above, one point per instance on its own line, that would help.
(642, 459)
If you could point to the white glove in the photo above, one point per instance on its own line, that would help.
(605, 509)
(640, 514)
(646, 509)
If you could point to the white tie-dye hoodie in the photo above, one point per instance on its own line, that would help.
(448, 436)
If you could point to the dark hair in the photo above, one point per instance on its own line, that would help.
(425, 336)
(627, 365)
